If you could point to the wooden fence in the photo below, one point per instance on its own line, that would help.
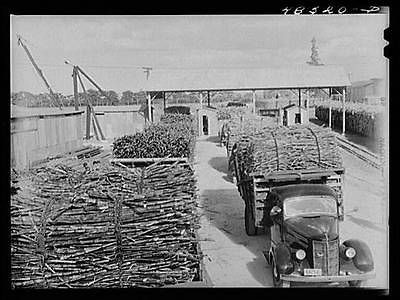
(37, 137)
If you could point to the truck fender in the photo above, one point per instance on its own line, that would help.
(283, 259)
(363, 259)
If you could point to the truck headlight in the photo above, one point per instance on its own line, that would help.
(300, 254)
(350, 252)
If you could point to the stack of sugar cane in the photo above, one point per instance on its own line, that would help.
(360, 118)
(105, 227)
(174, 136)
(236, 128)
(226, 113)
(288, 148)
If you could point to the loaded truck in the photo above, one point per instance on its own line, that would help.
(301, 209)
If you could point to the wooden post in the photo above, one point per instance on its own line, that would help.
(75, 80)
(201, 100)
(300, 106)
(254, 102)
(344, 111)
(208, 98)
(149, 106)
(330, 109)
(165, 106)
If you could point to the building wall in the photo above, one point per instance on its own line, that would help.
(368, 93)
(291, 116)
(34, 138)
(213, 123)
(119, 123)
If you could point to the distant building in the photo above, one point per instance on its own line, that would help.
(368, 91)
(292, 115)
(207, 121)
(275, 113)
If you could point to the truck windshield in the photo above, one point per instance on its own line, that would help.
(309, 206)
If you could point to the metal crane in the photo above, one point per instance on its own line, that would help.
(39, 71)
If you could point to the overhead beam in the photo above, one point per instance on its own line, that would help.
(94, 83)
(91, 109)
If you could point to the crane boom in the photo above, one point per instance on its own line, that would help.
(39, 71)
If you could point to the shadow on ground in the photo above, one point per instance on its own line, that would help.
(221, 165)
(226, 212)
(365, 223)
(213, 139)
(224, 208)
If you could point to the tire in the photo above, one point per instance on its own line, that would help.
(355, 283)
(249, 222)
(276, 277)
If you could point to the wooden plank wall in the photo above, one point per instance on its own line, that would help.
(37, 137)
(116, 124)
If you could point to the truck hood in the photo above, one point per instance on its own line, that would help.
(318, 228)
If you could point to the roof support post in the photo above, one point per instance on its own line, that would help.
(330, 109)
(201, 99)
(300, 104)
(254, 102)
(208, 98)
(149, 107)
(164, 99)
(344, 111)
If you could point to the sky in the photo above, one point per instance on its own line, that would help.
(113, 49)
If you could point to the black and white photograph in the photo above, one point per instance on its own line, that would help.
(200, 150)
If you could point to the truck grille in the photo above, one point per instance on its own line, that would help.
(326, 257)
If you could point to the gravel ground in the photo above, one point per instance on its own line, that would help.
(234, 259)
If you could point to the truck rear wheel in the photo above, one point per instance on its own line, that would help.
(249, 221)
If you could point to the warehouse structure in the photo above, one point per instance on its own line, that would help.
(368, 91)
(208, 81)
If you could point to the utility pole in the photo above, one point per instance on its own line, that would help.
(90, 108)
(52, 95)
(147, 70)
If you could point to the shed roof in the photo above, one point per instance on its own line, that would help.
(292, 106)
(247, 79)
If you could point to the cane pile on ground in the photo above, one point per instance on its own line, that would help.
(288, 148)
(106, 227)
(174, 136)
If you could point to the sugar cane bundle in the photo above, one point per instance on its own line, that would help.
(226, 113)
(109, 227)
(289, 148)
(245, 126)
(159, 140)
(184, 119)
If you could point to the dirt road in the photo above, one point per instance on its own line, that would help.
(234, 259)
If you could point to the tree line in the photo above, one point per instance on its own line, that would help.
(44, 100)
(28, 99)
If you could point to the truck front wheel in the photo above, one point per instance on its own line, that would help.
(249, 221)
(276, 277)
(355, 283)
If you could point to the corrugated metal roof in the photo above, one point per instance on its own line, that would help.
(248, 79)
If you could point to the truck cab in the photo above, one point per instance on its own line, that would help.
(303, 220)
